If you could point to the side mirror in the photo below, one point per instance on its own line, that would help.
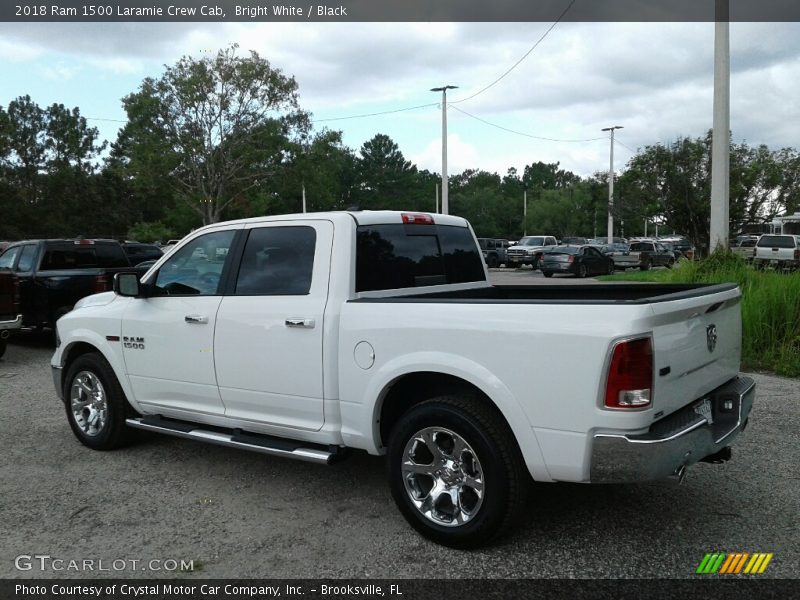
(127, 285)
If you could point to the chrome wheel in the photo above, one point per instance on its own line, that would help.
(442, 476)
(88, 403)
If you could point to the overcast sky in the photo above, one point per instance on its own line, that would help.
(654, 79)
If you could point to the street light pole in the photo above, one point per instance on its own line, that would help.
(611, 185)
(720, 139)
(443, 89)
(524, 210)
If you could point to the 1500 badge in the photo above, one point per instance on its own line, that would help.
(135, 343)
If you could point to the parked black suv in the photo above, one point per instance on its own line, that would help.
(139, 253)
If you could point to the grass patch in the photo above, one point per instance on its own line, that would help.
(770, 306)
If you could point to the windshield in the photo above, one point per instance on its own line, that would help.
(564, 250)
(532, 241)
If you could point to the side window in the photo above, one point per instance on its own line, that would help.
(277, 261)
(8, 257)
(196, 269)
(26, 258)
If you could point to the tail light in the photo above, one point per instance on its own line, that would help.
(101, 284)
(417, 219)
(629, 382)
(15, 298)
(570, 258)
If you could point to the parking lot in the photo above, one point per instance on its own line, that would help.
(236, 514)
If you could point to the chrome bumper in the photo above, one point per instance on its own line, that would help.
(56, 371)
(13, 324)
(676, 441)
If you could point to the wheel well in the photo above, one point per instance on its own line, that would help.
(72, 353)
(412, 389)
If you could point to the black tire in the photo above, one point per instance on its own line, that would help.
(610, 268)
(582, 271)
(3, 346)
(671, 263)
(645, 266)
(113, 433)
(492, 262)
(489, 441)
(537, 262)
(547, 273)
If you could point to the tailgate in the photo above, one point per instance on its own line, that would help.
(9, 294)
(698, 344)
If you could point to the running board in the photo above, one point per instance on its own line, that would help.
(237, 438)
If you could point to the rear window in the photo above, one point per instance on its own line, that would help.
(405, 256)
(564, 250)
(69, 257)
(777, 241)
(641, 247)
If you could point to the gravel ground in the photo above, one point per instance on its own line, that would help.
(237, 514)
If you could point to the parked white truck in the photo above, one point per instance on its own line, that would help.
(305, 335)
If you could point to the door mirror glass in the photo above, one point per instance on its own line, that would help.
(126, 284)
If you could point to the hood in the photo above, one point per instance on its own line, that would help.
(96, 300)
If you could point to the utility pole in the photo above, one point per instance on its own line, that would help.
(304, 197)
(720, 141)
(437, 197)
(611, 184)
(443, 89)
(525, 209)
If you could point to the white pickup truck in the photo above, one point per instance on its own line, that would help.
(305, 335)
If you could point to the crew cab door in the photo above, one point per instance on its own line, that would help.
(168, 338)
(268, 345)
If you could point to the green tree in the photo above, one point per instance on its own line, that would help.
(218, 127)
(383, 176)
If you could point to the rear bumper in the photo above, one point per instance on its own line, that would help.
(677, 441)
(11, 324)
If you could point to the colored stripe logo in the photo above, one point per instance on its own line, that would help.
(734, 563)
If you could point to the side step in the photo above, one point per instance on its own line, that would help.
(236, 438)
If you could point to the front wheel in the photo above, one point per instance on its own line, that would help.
(3, 346)
(610, 268)
(547, 273)
(581, 272)
(671, 263)
(95, 403)
(455, 471)
(645, 266)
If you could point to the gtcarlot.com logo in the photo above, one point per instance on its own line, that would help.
(734, 563)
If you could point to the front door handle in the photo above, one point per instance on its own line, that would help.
(198, 319)
(307, 323)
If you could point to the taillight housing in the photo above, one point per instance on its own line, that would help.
(100, 284)
(629, 381)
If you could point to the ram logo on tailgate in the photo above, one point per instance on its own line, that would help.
(711, 337)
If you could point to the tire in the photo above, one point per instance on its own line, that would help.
(492, 262)
(3, 346)
(582, 271)
(645, 266)
(91, 374)
(547, 273)
(488, 475)
(536, 262)
(610, 268)
(671, 263)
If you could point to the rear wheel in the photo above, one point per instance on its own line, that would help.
(610, 268)
(547, 273)
(492, 262)
(455, 471)
(3, 346)
(581, 272)
(670, 263)
(95, 403)
(645, 266)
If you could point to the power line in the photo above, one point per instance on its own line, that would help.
(375, 114)
(528, 135)
(524, 56)
(624, 146)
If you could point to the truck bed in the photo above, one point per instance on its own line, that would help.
(628, 293)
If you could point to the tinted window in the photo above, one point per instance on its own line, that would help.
(7, 258)
(111, 256)
(26, 257)
(565, 250)
(748, 243)
(641, 247)
(69, 257)
(532, 241)
(776, 241)
(277, 261)
(402, 256)
(196, 269)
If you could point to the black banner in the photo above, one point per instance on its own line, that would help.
(443, 589)
(397, 10)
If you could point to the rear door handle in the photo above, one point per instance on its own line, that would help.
(197, 319)
(307, 323)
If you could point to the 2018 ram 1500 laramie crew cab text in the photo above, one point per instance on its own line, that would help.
(304, 335)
